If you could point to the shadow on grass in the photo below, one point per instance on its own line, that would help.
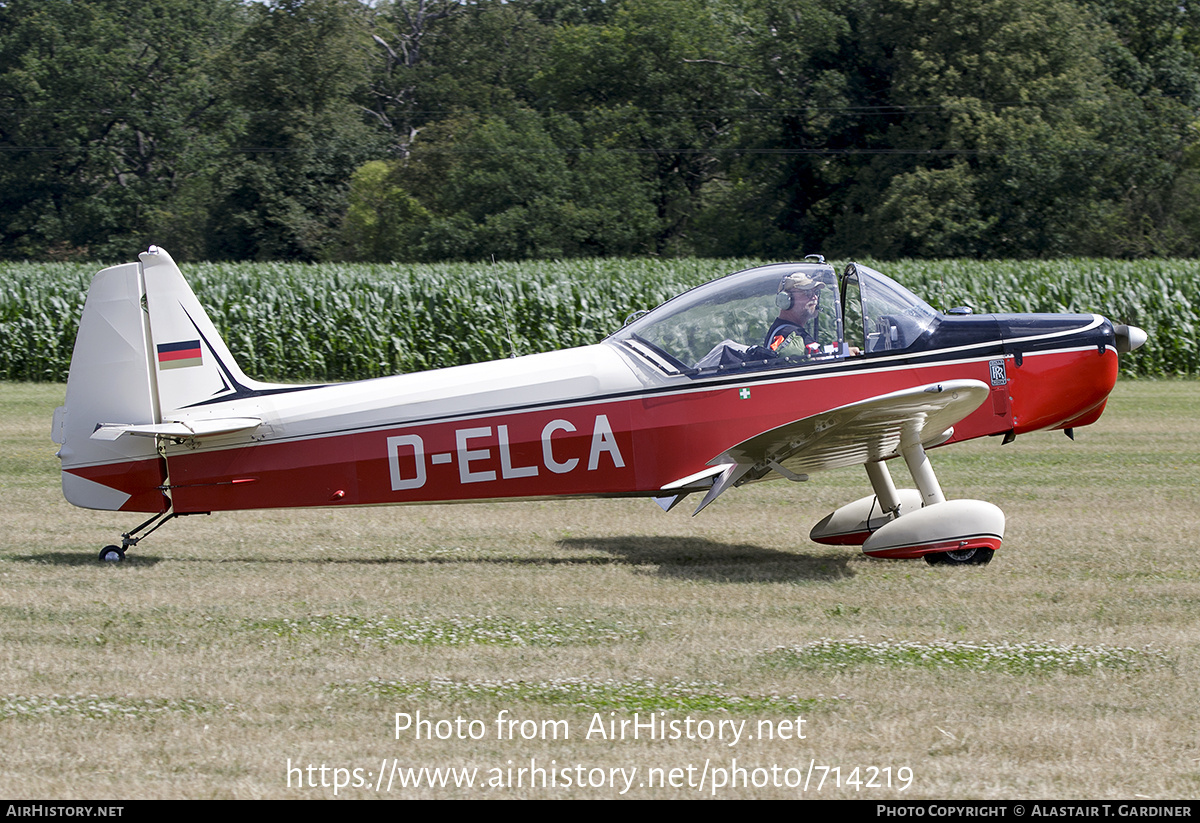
(83, 559)
(697, 559)
(674, 557)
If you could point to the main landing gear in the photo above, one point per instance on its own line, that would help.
(911, 523)
(115, 554)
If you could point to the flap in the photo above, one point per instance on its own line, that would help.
(868, 430)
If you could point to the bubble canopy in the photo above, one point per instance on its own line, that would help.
(723, 325)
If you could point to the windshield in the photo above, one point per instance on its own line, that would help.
(732, 322)
(780, 315)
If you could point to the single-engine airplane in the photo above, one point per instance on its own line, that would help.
(694, 397)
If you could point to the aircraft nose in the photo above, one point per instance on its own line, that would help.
(1128, 337)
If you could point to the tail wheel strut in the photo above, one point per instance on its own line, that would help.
(115, 554)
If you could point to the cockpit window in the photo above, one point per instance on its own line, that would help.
(723, 325)
(893, 318)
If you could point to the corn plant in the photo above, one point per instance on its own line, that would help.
(343, 322)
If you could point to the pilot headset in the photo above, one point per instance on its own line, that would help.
(784, 299)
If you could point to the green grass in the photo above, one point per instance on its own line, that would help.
(588, 695)
(1010, 658)
(229, 646)
(94, 707)
(446, 631)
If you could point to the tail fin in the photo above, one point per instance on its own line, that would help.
(145, 348)
(189, 362)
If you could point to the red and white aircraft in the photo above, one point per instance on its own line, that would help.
(688, 398)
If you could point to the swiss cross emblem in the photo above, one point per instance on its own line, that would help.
(744, 394)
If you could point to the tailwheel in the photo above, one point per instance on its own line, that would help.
(115, 554)
(112, 554)
(975, 556)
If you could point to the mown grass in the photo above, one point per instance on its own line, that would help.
(446, 631)
(1013, 658)
(590, 695)
(228, 646)
(94, 707)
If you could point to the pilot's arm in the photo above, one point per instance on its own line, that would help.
(787, 340)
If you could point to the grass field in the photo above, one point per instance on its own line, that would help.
(232, 647)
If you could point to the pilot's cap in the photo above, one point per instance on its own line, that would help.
(799, 281)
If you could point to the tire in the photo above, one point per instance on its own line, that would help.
(112, 554)
(980, 556)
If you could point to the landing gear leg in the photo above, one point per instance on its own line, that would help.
(921, 469)
(885, 490)
(931, 492)
(944, 532)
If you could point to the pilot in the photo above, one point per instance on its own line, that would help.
(798, 298)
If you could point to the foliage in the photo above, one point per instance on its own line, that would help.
(499, 187)
(40, 307)
(515, 129)
(110, 120)
(284, 194)
(997, 131)
(1160, 296)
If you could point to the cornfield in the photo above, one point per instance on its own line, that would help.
(1160, 296)
(343, 322)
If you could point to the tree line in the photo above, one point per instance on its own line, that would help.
(430, 130)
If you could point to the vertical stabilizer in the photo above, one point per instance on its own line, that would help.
(190, 363)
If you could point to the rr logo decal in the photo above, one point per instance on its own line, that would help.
(999, 374)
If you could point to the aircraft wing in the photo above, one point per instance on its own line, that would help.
(862, 432)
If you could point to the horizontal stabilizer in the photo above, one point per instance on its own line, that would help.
(209, 427)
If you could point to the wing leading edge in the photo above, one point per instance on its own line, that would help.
(867, 431)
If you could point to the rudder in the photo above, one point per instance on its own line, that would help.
(191, 364)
